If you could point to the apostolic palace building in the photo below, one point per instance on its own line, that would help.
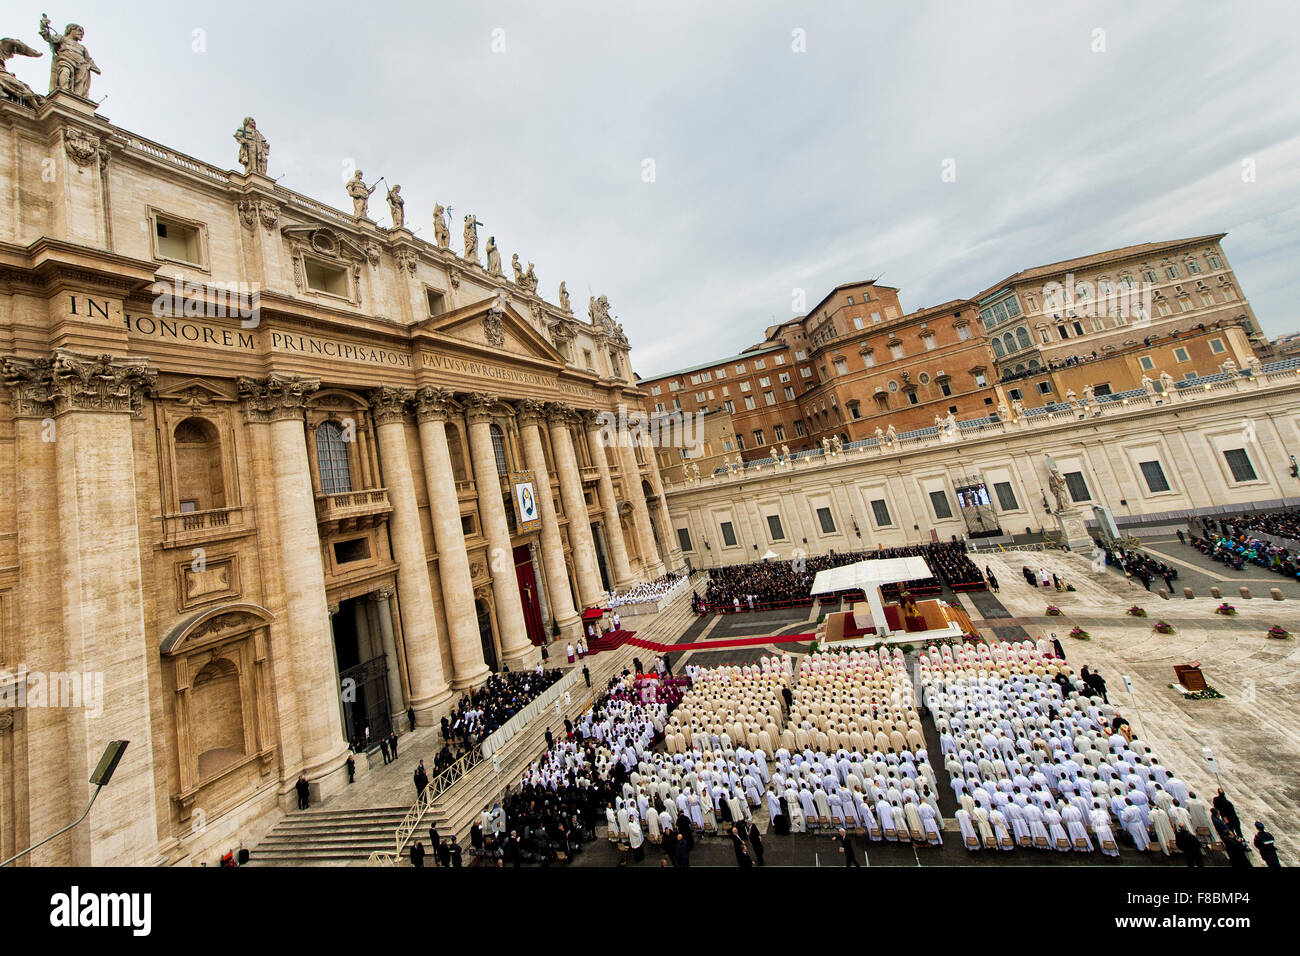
(274, 474)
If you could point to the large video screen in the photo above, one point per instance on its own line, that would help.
(973, 496)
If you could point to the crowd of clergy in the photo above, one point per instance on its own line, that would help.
(1038, 759)
(646, 592)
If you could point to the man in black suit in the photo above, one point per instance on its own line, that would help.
(756, 841)
(421, 779)
(383, 749)
(846, 847)
(392, 742)
(742, 851)
(304, 793)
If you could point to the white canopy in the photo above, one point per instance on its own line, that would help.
(771, 555)
(870, 574)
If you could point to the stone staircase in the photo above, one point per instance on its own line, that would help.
(328, 837)
(348, 837)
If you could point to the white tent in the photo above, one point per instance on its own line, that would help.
(869, 576)
(771, 555)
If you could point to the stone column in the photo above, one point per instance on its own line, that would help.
(95, 399)
(515, 646)
(396, 698)
(432, 407)
(598, 439)
(590, 590)
(280, 400)
(652, 566)
(529, 417)
(423, 642)
(673, 555)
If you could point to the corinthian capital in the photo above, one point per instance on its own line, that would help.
(99, 383)
(530, 412)
(390, 404)
(559, 413)
(434, 404)
(276, 397)
(479, 406)
(31, 381)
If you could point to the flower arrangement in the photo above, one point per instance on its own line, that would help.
(1163, 627)
(1053, 611)
(1070, 587)
(1225, 608)
(1079, 634)
(1278, 632)
(1208, 694)
(1136, 611)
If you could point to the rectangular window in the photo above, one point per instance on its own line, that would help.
(760, 363)
(881, 512)
(728, 534)
(1180, 355)
(774, 528)
(805, 372)
(939, 501)
(875, 318)
(1078, 487)
(749, 403)
(684, 539)
(1015, 394)
(1154, 475)
(789, 391)
(841, 367)
(325, 278)
(744, 387)
(699, 397)
(1216, 346)
(800, 355)
(1171, 271)
(758, 437)
(825, 520)
(656, 390)
(980, 379)
(778, 360)
(1006, 495)
(911, 398)
(798, 427)
(1044, 388)
(1147, 362)
(1239, 462)
(779, 432)
(896, 351)
(178, 241)
(945, 388)
(730, 406)
(857, 322)
(963, 333)
(740, 369)
(764, 382)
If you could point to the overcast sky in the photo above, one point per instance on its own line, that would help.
(773, 169)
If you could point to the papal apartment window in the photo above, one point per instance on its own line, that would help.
(744, 386)
(1015, 394)
(880, 511)
(778, 360)
(177, 240)
(825, 520)
(760, 364)
(332, 459)
(798, 428)
(805, 372)
(980, 380)
(1172, 272)
(1077, 486)
(1044, 388)
(1216, 346)
(1006, 495)
(728, 534)
(1239, 464)
(896, 351)
(1193, 268)
(774, 528)
(1180, 355)
(730, 406)
(1154, 476)
(1147, 362)
(779, 432)
(684, 539)
(758, 437)
(1149, 275)
(945, 388)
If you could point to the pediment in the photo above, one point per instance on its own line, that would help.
(492, 326)
(194, 391)
(213, 625)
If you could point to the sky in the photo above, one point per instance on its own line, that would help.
(701, 163)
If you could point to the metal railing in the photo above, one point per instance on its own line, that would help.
(423, 804)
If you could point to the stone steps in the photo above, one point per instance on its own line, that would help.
(328, 837)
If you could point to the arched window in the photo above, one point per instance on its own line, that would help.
(499, 449)
(1009, 342)
(332, 459)
(216, 717)
(1022, 336)
(200, 484)
(998, 350)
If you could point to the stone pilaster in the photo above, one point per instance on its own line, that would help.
(280, 400)
(583, 548)
(597, 439)
(515, 646)
(397, 702)
(530, 415)
(89, 401)
(433, 406)
(423, 642)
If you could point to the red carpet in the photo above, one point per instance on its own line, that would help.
(609, 641)
(714, 645)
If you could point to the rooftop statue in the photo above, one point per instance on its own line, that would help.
(10, 85)
(72, 64)
(253, 147)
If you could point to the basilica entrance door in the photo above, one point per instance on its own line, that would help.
(527, 581)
